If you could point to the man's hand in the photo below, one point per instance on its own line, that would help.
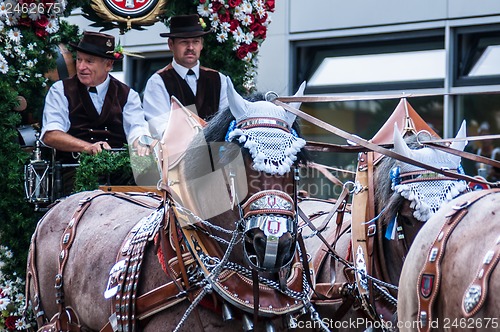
(97, 147)
(144, 145)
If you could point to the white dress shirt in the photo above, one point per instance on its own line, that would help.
(56, 111)
(156, 101)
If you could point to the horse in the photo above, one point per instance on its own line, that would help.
(450, 277)
(213, 258)
(398, 220)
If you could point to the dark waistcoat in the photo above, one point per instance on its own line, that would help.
(86, 123)
(207, 90)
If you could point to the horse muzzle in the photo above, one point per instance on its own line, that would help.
(270, 230)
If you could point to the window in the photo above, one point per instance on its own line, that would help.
(398, 61)
(477, 56)
(380, 68)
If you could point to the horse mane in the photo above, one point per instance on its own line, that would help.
(384, 195)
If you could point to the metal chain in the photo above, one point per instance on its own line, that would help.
(214, 274)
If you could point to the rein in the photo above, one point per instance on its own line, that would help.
(377, 148)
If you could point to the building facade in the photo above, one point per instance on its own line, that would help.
(444, 55)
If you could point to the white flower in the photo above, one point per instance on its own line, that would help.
(2, 26)
(204, 9)
(21, 324)
(3, 10)
(239, 12)
(30, 64)
(222, 37)
(19, 297)
(261, 12)
(52, 26)
(12, 20)
(225, 27)
(238, 35)
(4, 67)
(9, 254)
(247, 20)
(215, 20)
(15, 35)
(248, 57)
(4, 302)
(7, 290)
(247, 7)
(248, 38)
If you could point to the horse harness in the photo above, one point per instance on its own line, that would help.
(127, 307)
(430, 276)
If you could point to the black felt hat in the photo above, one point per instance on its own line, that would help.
(185, 26)
(99, 44)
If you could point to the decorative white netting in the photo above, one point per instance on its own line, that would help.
(273, 150)
(428, 196)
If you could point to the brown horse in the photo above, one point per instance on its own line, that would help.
(119, 260)
(397, 222)
(450, 278)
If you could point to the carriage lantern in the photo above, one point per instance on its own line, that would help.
(36, 177)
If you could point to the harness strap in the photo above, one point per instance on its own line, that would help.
(430, 276)
(475, 295)
(376, 148)
(154, 301)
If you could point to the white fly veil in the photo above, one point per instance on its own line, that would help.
(427, 191)
(273, 148)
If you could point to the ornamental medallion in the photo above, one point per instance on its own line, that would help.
(129, 12)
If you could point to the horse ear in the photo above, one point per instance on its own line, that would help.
(462, 133)
(300, 92)
(400, 145)
(237, 104)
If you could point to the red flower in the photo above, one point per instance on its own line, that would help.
(216, 6)
(41, 33)
(25, 22)
(234, 25)
(254, 46)
(225, 17)
(270, 5)
(42, 22)
(242, 51)
(10, 322)
(234, 3)
(203, 1)
(259, 31)
(259, 19)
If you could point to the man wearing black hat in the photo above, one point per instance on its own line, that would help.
(184, 78)
(92, 110)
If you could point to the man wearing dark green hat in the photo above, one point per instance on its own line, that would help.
(184, 78)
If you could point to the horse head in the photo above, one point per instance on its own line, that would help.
(257, 146)
(406, 195)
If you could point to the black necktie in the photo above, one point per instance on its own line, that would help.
(93, 89)
(191, 80)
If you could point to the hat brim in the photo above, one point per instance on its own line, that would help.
(187, 34)
(95, 52)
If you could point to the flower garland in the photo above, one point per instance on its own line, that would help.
(12, 300)
(243, 23)
(21, 24)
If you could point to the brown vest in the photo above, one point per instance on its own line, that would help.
(86, 123)
(208, 90)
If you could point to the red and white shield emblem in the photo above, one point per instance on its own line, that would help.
(426, 285)
(130, 8)
(273, 226)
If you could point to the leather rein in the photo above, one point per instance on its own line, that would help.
(382, 150)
